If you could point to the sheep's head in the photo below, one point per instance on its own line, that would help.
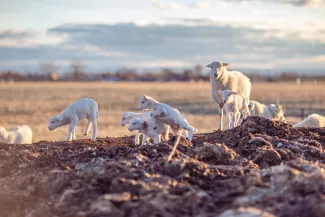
(278, 113)
(158, 111)
(217, 69)
(227, 95)
(136, 124)
(251, 106)
(126, 117)
(144, 103)
(55, 122)
(3, 133)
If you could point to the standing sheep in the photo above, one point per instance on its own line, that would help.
(312, 121)
(82, 109)
(222, 79)
(150, 129)
(235, 105)
(20, 134)
(271, 112)
(126, 118)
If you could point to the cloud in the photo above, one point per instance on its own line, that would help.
(161, 4)
(175, 45)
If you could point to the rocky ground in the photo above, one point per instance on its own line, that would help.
(261, 168)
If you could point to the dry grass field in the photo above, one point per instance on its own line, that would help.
(35, 103)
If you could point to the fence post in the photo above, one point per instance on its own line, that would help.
(302, 113)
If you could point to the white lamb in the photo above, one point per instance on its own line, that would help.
(222, 79)
(150, 129)
(167, 115)
(20, 134)
(83, 109)
(234, 105)
(147, 102)
(126, 118)
(271, 112)
(312, 121)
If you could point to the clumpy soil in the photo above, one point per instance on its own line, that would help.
(261, 168)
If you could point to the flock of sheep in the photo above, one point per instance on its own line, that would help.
(229, 89)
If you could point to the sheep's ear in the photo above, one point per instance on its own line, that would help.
(145, 97)
(209, 66)
(57, 118)
(225, 64)
(126, 115)
(220, 92)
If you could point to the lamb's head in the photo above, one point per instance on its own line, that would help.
(3, 133)
(277, 112)
(227, 95)
(217, 69)
(126, 117)
(55, 122)
(137, 124)
(158, 111)
(144, 103)
(251, 106)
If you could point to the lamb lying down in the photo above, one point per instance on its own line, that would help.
(83, 109)
(145, 116)
(20, 134)
(150, 129)
(169, 116)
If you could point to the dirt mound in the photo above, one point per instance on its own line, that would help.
(261, 168)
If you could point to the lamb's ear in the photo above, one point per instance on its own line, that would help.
(225, 64)
(126, 115)
(209, 66)
(220, 92)
(57, 118)
(145, 97)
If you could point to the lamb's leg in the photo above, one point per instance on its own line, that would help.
(221, 117)
(237, 119)
(137, 138)
(228, 120)
(72, 127)
(165, 134)
(94, 123)
(87, 128)
(144, 139)
(233, 120)
(157, 139)
(74, 134)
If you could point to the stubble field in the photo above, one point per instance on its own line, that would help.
(35, 103)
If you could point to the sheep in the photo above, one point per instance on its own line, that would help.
(234, 105)
(312, 121)
(167, 115)
(222, 79)
(20, 134)
(126, 118)
(82, 109)
(272, 112)
(147, 102)
(150, 128)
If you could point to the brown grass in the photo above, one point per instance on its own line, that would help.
(35, 103)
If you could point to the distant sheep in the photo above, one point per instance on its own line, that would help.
(234, 105)
(150, 129)
(312, 121)
(222, 79)
(167, 115)
(20, 134)
(271, 112)
(127, 116)
(83, 109)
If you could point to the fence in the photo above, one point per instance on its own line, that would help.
(302, 112)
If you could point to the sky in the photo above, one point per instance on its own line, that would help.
(251, 35)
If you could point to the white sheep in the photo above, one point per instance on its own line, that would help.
(312, 121)
(222, 79)
(147, 102)
(167, 115)
(234, 105)
(126, 118)
(82, 109)
(272, 112)
(150, 129)
(20, 134)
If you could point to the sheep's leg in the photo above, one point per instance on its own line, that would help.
(237, 120)
(72, 127)
(94, 123)
(221, 117)
(144, 139)
(137, 138)
(74, 134)
(165, 134)
(87, 128)
(228, 120)
(233, 120)
(157, 139)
